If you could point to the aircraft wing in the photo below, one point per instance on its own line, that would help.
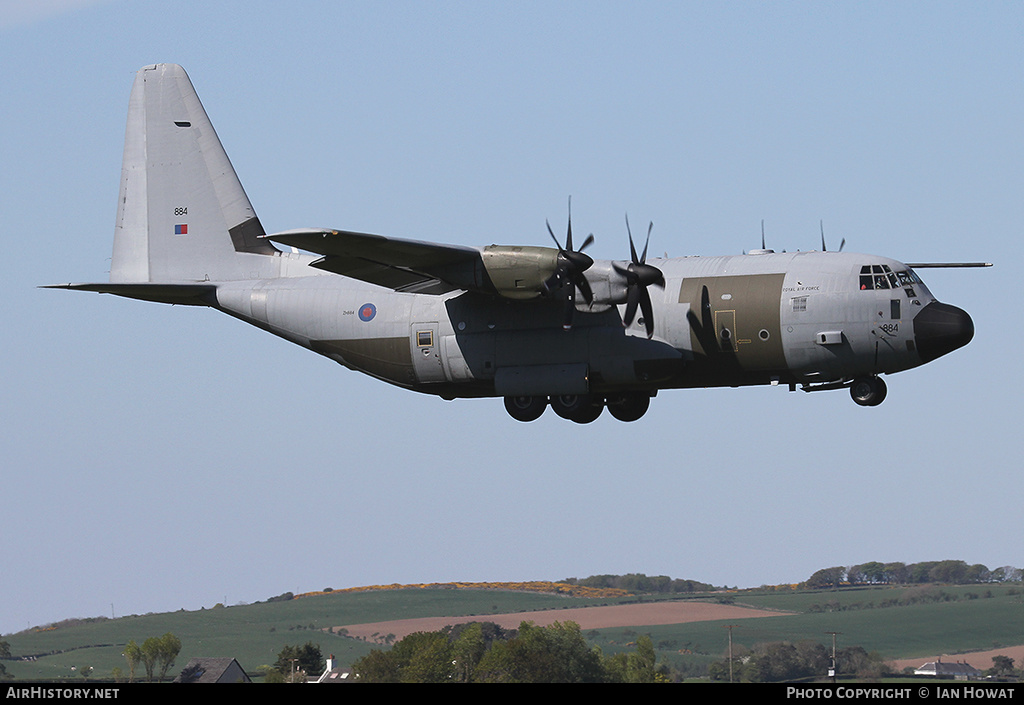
(395, 263)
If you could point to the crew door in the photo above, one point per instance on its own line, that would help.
(427, 362)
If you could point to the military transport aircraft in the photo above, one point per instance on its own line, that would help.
(539, 326)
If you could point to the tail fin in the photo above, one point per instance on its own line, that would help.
(182, 214)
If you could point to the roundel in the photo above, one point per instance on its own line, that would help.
(367, 312)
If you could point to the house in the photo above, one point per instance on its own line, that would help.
(957, 670)
(212, 670)
(334, 673)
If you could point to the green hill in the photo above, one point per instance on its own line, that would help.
(255, 634)
(897, 622)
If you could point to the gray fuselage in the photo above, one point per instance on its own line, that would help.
(804, 317)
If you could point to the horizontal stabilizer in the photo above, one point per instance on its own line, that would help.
(184, 294)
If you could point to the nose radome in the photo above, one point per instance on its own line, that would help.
(940, 328)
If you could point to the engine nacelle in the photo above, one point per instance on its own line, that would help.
(608, 285)
(519, 272)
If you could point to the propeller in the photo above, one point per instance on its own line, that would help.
(569, 271)
(640, 275)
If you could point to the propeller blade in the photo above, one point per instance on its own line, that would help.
(643, 257)
(568, 274)
(648, 311)
(632, 299)
(568, 234)
(552, 233)
(584, 287)
(639, 275)
(570, 309)
(632, 248)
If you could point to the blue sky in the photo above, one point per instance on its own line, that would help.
(158, 458)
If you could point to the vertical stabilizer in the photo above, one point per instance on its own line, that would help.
(182, 215)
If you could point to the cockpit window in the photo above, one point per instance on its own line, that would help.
(873, 277)
(865, 278)
(880, 276)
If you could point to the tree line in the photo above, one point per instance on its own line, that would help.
(877, 573)
(5, 652)
(156, 656)
(483, 652)
(639, 583)
(776, 661)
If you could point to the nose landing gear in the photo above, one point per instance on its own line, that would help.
(868, 391)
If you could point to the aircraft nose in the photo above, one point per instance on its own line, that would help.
(940, 328)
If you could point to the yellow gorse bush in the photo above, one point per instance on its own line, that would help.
(528, 586)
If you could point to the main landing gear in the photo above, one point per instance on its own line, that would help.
(580, 408)
(868, 391)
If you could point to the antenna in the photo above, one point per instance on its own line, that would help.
(763, 250)
(823, 248)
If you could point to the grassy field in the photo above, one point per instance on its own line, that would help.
(255, 634)
(894, 621)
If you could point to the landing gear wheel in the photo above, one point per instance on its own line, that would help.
(868, 391)
(581, 408)
(629, 407)
(590, 412)
(525, 408)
